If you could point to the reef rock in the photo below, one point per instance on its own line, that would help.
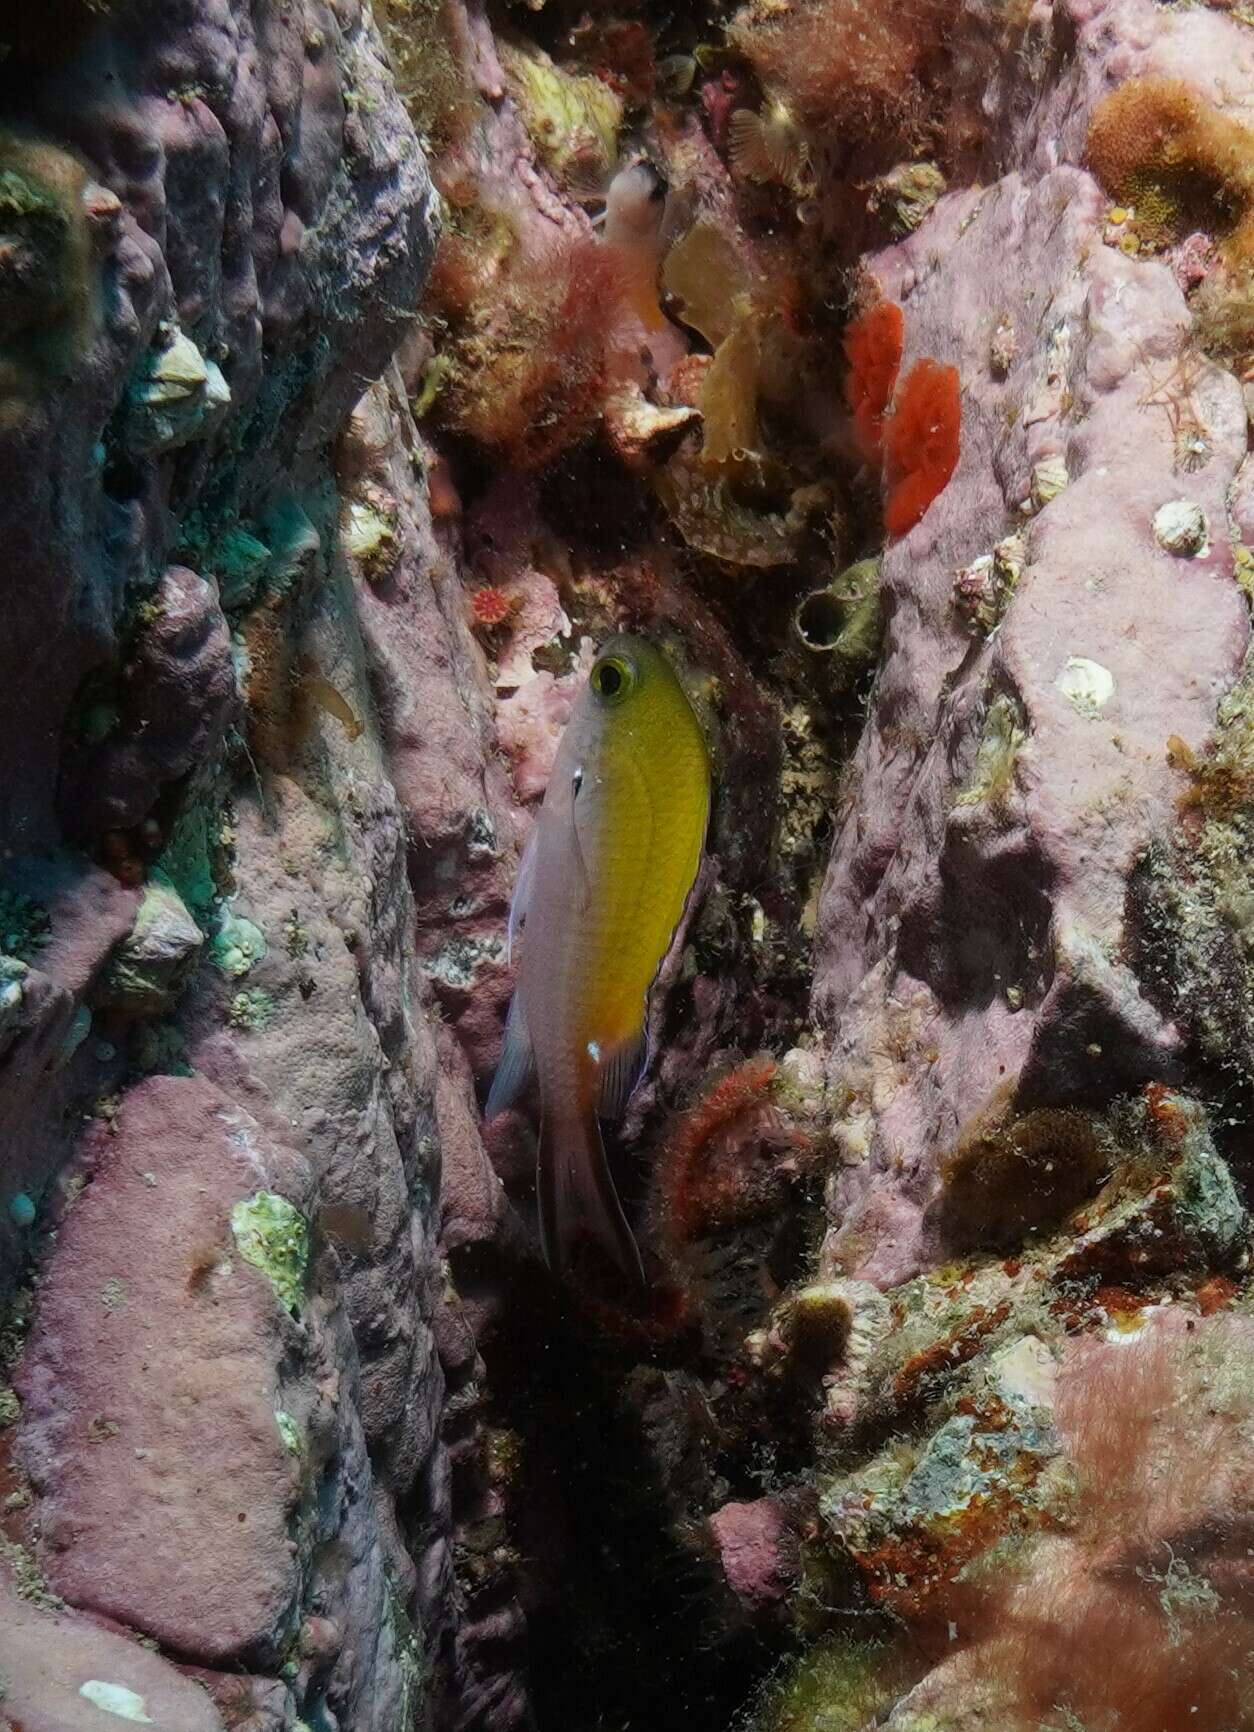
(823, 355)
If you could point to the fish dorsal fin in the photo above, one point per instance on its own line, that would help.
(522, 892)
(517, 1063)
(619, 1072)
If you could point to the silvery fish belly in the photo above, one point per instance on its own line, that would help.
(601, 890)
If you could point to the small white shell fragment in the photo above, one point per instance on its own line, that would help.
(116, 1699)
(1086, 685)
(1180, 526)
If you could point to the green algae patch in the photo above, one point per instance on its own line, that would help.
(572, 118)
(839, 1685)
(24, 925)
(274, 1237)
(52, 277)
(249, 1011)
(290, 1432)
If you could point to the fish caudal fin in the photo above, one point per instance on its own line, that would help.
(573, 1188)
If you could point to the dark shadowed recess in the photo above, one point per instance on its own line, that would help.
(620, 1634)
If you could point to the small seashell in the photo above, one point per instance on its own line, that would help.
(1086, 685)
(1049, 477)
(1003, 346)
(675, 74)
(1180, 527)
(905, 195)
(639, 429)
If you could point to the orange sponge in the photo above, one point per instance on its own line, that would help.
(873, 345)
(1158, 145)
(920, 443)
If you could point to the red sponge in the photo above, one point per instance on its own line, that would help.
(920, 443)
(873, 345)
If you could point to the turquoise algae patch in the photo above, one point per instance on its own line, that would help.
(274, 1237)
(22, 1210)
(238, 944)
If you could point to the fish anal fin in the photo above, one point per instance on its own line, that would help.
(574, 1188)
(620, 1071)
(522, 892)
(516, 1066)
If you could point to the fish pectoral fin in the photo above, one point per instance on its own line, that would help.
(516, 1066)
(620, 1070)
(522, 893)
(583, 888)
(573, 1185)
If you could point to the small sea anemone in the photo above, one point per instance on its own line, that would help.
(873, 345)
(490, 607)
(906, 194)
(921, 440)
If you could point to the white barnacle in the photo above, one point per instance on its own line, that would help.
(1049, 477)
(1085, 684)
(1180, 527)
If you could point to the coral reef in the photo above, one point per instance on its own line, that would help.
(363, 369)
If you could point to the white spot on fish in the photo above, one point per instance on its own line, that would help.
(594, 1052)
(576, 782)
(1086, 685)
(116, 1699)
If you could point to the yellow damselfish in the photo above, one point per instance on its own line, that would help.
(600, 892)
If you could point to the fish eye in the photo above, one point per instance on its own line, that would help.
(612, 677)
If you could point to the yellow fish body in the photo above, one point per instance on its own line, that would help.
(600, 893)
